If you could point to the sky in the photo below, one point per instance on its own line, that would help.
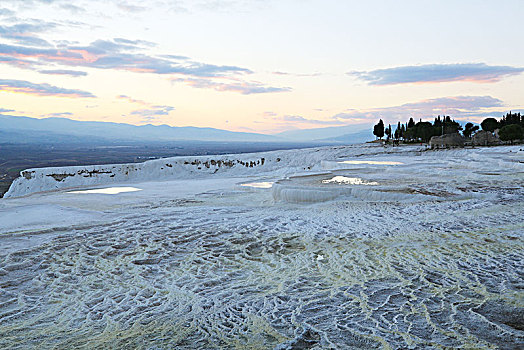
(261, 66)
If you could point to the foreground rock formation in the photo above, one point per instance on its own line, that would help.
(447, 141)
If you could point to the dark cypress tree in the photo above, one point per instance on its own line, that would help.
(450, 126)
(388, 131)
(438, 122)
(424, 131)
(378, 130)
(411, 123)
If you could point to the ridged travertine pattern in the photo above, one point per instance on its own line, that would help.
(162, 280)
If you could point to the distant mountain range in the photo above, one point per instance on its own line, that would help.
(17, 129)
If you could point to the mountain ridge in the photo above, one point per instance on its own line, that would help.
(111, 131)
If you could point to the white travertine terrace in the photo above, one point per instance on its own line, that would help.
(208, 255)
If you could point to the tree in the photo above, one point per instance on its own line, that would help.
(438, 122)
(511, 132)
(387, 131)
(409, 134)
(511, 118)
(449, 126)
(378, 130)
(411, 123)
(424, 131)
(469, 129)
(489, 124)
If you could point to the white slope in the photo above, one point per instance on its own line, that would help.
(275, 163)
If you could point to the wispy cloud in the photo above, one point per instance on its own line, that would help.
(5, 110)
(118, 54)
(59, 114)
(302, 120)
(298, 74)
(243, 87)
(472, 108)
(438, 73)
(72, 8)
(72, 73)
(217, 5)
(6, 12)
(152, 113)
(26, 87)
(18, 62)
(457, 106)
(126, 6)
(149, 112)
(280, 123)
(28, 51)
(26, 33)
(132, 100)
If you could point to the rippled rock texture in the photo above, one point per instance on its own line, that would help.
(140, 283)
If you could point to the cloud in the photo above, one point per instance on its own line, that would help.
(4, 110)
(299, 119)
(6, 12)
(149, 112)
(138, 43)
(174, 57)
(298, 74)
(132, 100)
(59, 114)
(243, 87)
(18, 62)
(152, 113)
(289, 122)
(73, 8)
(125, 6)
(438, 73)
(457, 106)
(72, 73)
(26, 87)
(119, 54)
(472, 108)
(25, 33)
(28, 51)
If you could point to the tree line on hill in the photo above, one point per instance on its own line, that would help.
(510, 126)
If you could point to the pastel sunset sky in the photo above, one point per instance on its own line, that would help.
(260, 65)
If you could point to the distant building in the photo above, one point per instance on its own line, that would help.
(485, 138)
(447, 141)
